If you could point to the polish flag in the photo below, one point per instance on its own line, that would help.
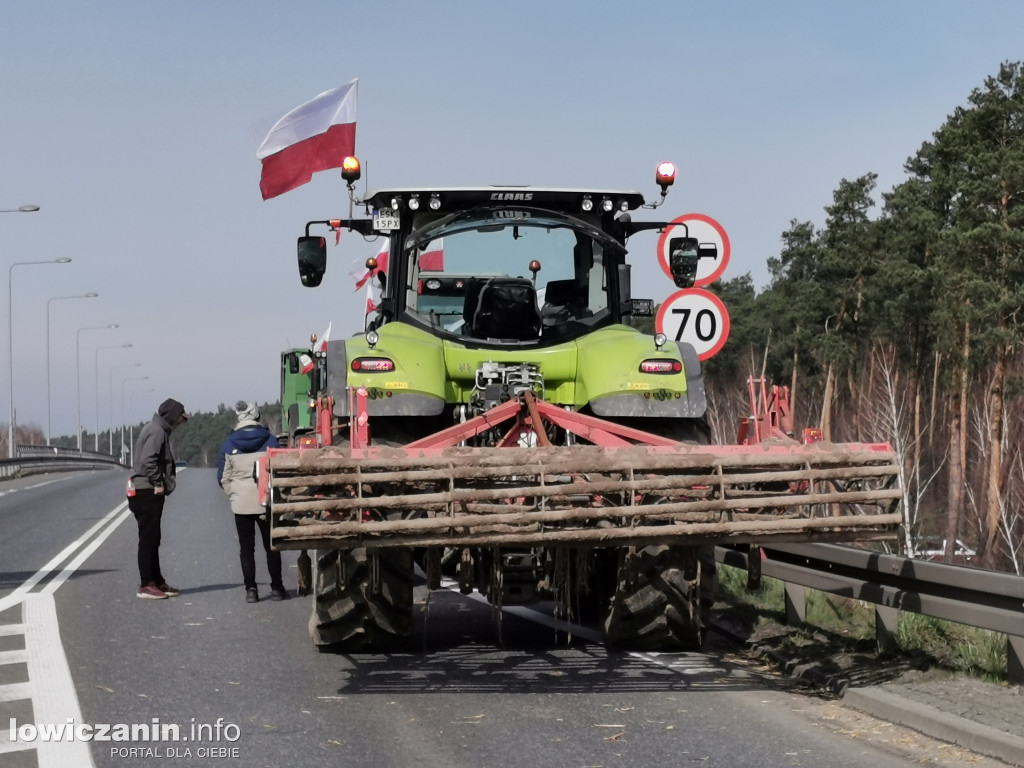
(371, 305)
(314, 137)
(307, 363)
(382, 266)
(321, 344)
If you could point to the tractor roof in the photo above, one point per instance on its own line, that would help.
(458, 198)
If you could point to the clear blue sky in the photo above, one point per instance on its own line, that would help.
(134, 125)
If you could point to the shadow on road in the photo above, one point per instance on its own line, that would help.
(466, 649)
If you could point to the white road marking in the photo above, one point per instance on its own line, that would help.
(30, 487)
(54, 699)
(50, 687)
(75, 564)
(19, 594)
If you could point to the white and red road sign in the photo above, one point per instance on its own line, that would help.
(695, 316)
(706, 230)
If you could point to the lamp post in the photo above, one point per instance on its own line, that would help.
(131, 427)
(90, 295)
(10, 335)
(123, 382)
(96, 436)
(21, 209)
(78, 374)
(112, 369)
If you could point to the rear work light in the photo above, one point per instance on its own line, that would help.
(661, 366)
(373, 364)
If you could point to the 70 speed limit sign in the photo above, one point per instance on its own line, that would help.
(695, 316)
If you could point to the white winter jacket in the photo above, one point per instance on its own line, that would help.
(239, 482)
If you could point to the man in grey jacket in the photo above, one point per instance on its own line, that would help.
(152, 481)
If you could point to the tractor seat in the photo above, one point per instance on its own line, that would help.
(564, 300)
(501, 308)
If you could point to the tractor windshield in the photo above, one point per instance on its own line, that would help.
(508, 275)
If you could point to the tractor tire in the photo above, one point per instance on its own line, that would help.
(655, 606)
(362, 600)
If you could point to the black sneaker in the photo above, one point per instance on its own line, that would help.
(278, 593)
(252, 596)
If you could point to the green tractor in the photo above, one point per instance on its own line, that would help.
(298, 409)
(501, 425)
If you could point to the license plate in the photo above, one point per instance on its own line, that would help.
(385, 219)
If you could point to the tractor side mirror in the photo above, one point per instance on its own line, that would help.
(625, 289)
(682, 260)
(312, 260)
(643, 307)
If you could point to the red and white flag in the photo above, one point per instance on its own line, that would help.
(307, 362)
(382, 266)
(314, 137)
(371, 304)
(321, 344)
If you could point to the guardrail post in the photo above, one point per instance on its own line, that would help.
(796, 603)
(1014, 660)
(887, 621)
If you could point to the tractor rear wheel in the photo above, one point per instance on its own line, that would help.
(362, 600)
(658, 602)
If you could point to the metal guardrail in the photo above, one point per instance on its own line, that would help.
(33, 459)
(984, 599)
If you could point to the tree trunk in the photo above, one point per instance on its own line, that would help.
(793, 378)
(913, 459)
(935, 396)
(993, 511)
(826, 405)
(957, 448)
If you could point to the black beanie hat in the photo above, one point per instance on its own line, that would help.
(171, 410)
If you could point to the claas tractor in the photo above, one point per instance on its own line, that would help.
(501, 426)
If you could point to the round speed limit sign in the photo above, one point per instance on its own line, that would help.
(697, 317)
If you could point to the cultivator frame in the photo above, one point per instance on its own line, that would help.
(626, 488)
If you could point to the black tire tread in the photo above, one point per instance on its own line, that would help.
(359, 615)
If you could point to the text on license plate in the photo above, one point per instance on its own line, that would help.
(385, 219)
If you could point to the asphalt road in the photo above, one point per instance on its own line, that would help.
(245, 686)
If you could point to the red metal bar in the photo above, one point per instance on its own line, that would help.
(467, 429)
(599, 431)
(359, 434)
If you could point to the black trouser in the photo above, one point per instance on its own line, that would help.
(246, 527)
(148, 508)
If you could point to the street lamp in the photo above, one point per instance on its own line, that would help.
(96, 436)
(112, 369)
(10, 334)
(123, 382)
(21, 209)
(78, 374)
(90, 295)
(131, 426)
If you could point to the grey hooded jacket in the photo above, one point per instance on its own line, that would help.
(153, 462)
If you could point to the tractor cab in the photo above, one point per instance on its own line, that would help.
(503, 266)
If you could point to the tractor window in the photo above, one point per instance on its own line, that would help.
(442, 269)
